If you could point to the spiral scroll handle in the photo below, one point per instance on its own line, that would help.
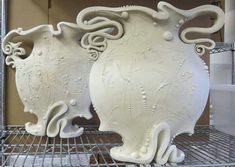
(195, 12)
(101, 21)
(12, 50)
(199, 11)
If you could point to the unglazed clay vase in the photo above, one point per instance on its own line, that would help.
(52, 81)
(148, 83)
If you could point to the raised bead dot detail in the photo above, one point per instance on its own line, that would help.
(181, 21)
(143, 149)
(124, 15)
(155, 24)
(168, 36)
(134, 155)
(73, 102)
(39, 53)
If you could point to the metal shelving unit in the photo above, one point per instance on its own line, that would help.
(226, 47)
(222, 47)
(2, 63)
(207, 147)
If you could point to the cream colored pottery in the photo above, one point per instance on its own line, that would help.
(52, 81)
(148, 83)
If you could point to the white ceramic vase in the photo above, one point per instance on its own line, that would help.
(52, 81)
(148, 83)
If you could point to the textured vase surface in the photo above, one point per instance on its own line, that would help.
(144, 75)
(52, 81)
(148, 82)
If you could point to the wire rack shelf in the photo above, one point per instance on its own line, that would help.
(222, 47)
(207, 147)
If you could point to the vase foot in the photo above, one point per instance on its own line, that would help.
(68, 130)
(35, 129)
(156, 146)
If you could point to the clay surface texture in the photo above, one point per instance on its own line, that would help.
(144, 76)
(148, 82)
(52, 81)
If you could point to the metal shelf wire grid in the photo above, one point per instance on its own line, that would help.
(207, 147)
(222, 47)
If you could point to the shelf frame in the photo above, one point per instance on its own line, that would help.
(221, 47)
(207, 147)
(2, 63)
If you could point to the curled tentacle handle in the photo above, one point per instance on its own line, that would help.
(103, 20)
(12, 50)
(99, 28)
(219, 22)
(195, 12)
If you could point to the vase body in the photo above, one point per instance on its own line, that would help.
(143, 80)
(148, 84)
(52, 81)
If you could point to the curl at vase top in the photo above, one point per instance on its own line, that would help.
(52, 81)
(147, 82)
